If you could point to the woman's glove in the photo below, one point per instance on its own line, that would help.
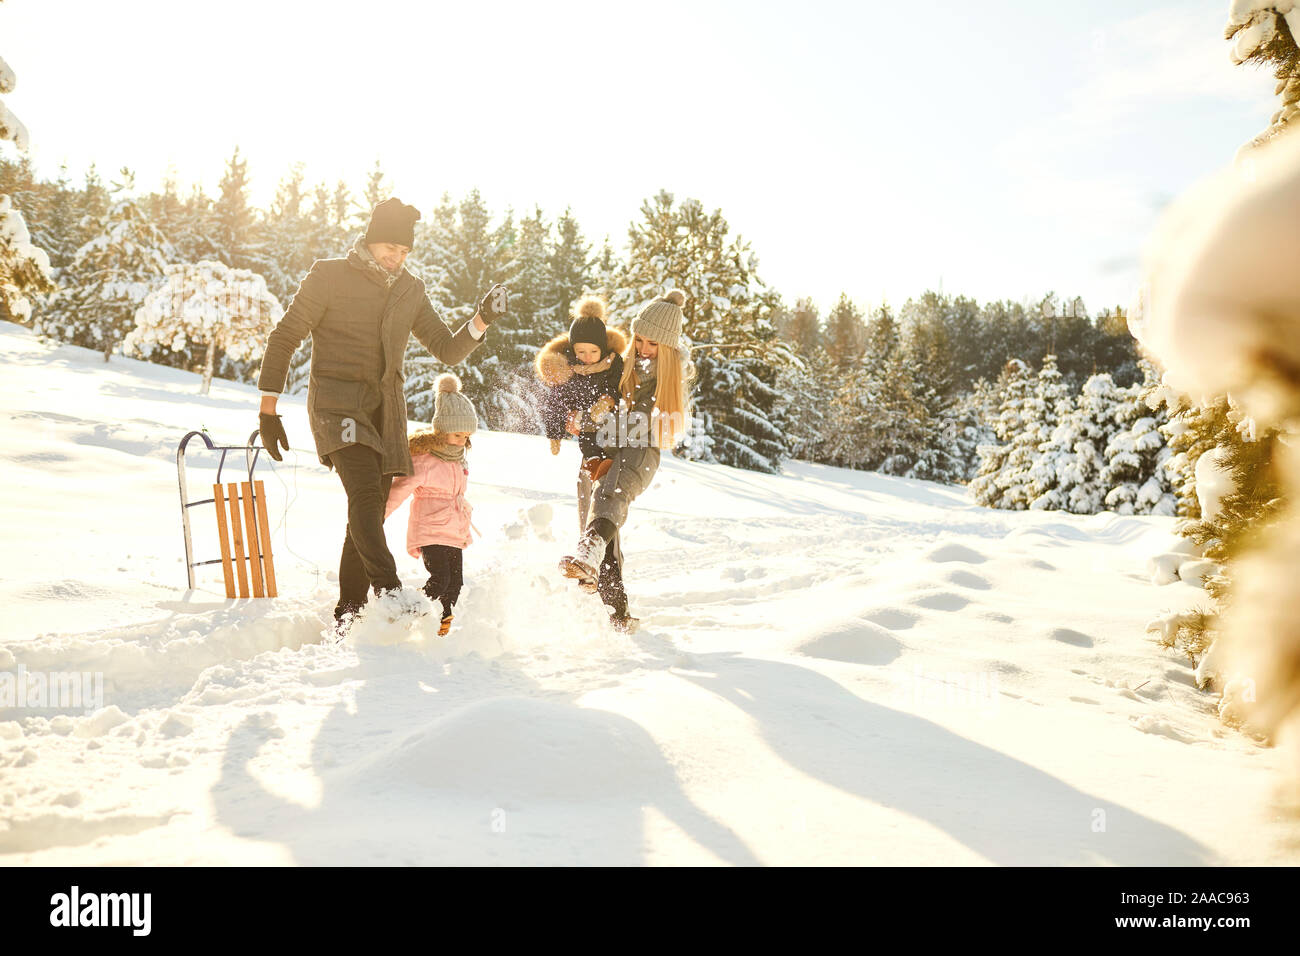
(555, 446)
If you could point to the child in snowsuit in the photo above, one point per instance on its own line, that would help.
(652, 415)
(439, 526)
(580, 371)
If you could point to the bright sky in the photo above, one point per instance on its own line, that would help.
(1003, 147)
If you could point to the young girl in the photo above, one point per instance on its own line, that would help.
(439, 526)
(581, 371)
(654, 409)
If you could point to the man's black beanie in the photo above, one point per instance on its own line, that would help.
(393, 221)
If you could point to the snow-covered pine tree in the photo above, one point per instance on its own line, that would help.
(569, 262)
(804, 328)
(111, 275)
(1014, 386)
(57, 229)
(515, 392)
(926, 345)
(294, 235)
(1054, 448)
(845, 335)
(1264, 32)
(287, 234)
(735, 399)
(1016, 480)
(209, 304)
(807, 388)
(11, 128)
(240, 237)
(376, 191)
(1090, 427)
(460, 255)
(849, 441)
(902, 439)
(1191, 431)
(606, 269)
(24, 267)
(1136, 454)
(429, 260)
(971, 425)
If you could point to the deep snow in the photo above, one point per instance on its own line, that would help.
(833, 667)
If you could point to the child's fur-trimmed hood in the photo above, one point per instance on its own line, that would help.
(553, 361)
(424, 441)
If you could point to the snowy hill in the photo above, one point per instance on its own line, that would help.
(833, 667)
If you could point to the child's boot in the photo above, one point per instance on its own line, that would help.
(444, 626)
(624, 623)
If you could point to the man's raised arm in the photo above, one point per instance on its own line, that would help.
(452, 349)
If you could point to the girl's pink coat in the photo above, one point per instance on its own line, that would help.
(439, 511)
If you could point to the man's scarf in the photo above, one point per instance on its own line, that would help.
(372, 263)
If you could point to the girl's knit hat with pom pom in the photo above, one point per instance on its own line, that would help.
(589, 323)
(661, 320)
(452, 411)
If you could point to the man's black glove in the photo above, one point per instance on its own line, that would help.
(272, 434)
(495, 304)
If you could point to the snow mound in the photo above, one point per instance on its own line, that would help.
(165, 658)
(523, 749)
(853, 642)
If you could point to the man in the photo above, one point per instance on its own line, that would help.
(360, 311)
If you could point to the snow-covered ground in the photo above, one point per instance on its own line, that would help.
(833, 667)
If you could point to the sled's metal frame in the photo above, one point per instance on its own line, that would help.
(251, 453)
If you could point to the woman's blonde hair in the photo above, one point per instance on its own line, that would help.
(672, 391)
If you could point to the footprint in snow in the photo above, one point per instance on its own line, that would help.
(1160, 728)
(957, 552)
(892, 618)
(968, 579)
(943, 601)
(1068, 636)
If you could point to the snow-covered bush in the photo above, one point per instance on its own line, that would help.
(114, 272)
(24, 269)
(207, 303)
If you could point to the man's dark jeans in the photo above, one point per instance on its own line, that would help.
(366, 561)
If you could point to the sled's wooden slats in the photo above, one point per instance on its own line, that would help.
(237, 533)
(250, 522)
(264, 529)
(223, 535)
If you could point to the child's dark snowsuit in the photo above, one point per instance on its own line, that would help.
(444, 565)
(567, 391)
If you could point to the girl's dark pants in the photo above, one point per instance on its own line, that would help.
(443, 563)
